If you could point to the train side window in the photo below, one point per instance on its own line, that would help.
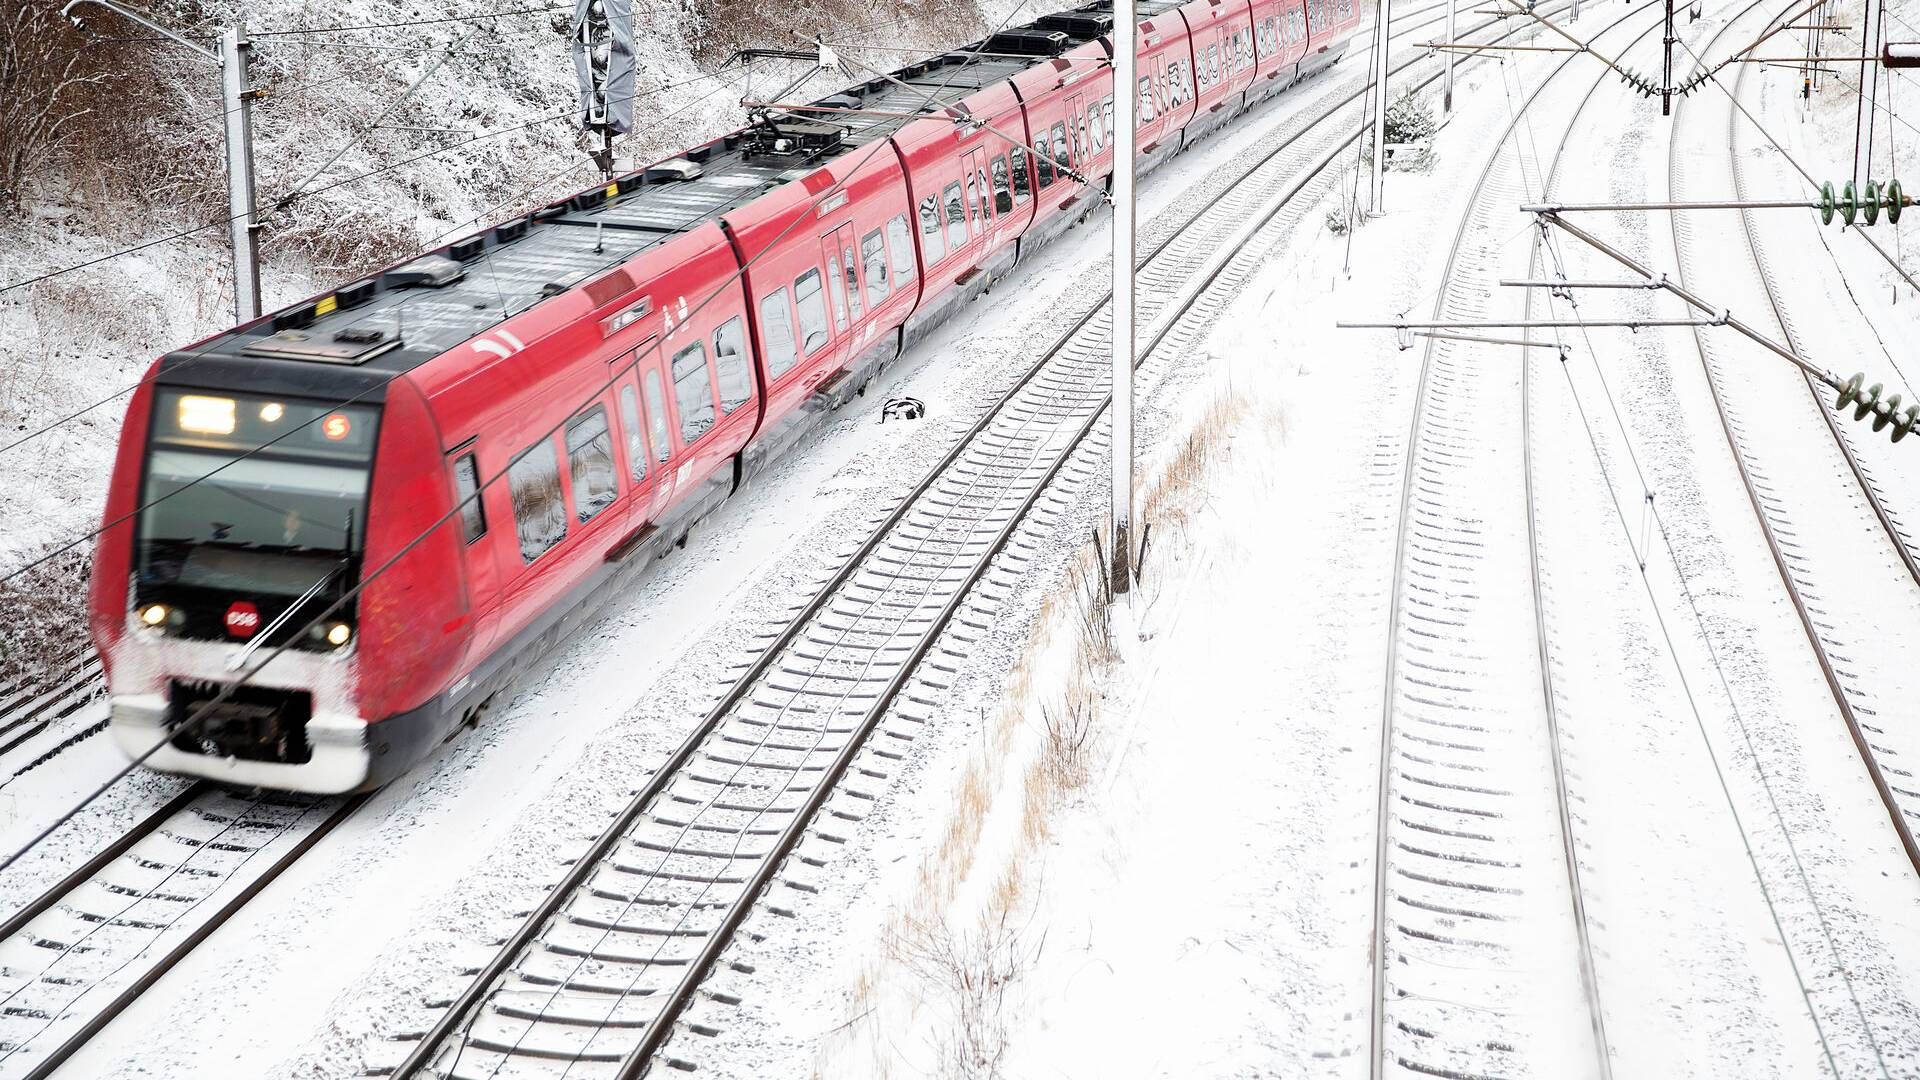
(986, 195)
(590, 463)
(466, 489)
(1042, 160)
(776, 335)
(636, 440)
(873, 251)
(837, 292)
(811, 300)
(1060, 147)
(730, 363)
(900, 241)
(974, 201)
(1002, 191)
(1146, 101)
(539, 509)
(932, 241)
(1082, 148)
(1098, 135)
(657, 416)
(956, 217)
(693, 391)
(1022, 185)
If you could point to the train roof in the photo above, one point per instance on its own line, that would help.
(410, 313)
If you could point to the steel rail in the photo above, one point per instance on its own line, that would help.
(1383, 809)
(86, 871)
(1589, 972)
(44, 1064)
(1855, 730)
(480, 987)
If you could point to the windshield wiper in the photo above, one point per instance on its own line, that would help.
(260, 638)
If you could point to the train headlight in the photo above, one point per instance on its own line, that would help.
(272, 411)
(206, 415)
(339, 634)
(155, 615)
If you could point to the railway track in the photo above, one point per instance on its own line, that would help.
(40, 719)
(1874, 697)
(75, 958)
(1839, 555)
(595, 980)
(1483, 960)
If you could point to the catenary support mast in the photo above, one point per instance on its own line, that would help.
(232, 58)
(1382, 15)
(236, 54)
(1125, 99)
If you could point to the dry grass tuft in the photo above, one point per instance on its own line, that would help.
(1056, 710)
(1069, 739)
(975, 973)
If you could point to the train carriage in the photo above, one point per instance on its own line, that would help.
(457, 458)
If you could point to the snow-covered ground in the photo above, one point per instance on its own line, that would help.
(1150, 854)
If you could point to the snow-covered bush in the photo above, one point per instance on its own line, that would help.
(1409, 122)
(49, 86)
(44, 621)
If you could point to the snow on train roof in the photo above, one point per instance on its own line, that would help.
(411, 313)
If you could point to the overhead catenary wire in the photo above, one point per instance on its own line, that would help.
(461, 226)
(549, 9)
(284, 201)
(1780, 148)
(1652, 509)
(123, 391)
(1686, 685)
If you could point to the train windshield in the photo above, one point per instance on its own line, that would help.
(254, 495)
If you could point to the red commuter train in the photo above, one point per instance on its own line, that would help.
(627, 357)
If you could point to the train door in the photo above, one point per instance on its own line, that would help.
(1081, 140)
(979, 204)
(980, 208)
(843, 247)
(660, 432)
(844, 302)
(477, 561)
(636, 455)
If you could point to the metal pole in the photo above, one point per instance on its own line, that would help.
(1446, 92)
(235, 52)
(232, 58)
(1666, 70)
(1125, 91)
(1721, 315)
(1870, 16)
(1382, 16)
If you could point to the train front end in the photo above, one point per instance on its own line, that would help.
(224, 596)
